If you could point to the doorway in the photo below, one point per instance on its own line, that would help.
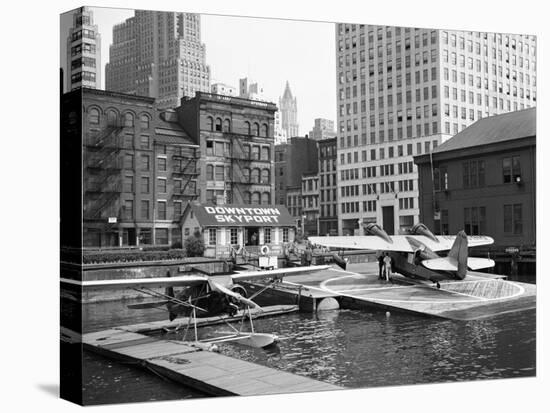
(252, 236)
(388, 220)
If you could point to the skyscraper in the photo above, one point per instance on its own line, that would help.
(322, 129)
(249, 89)
(158, 54)
(83, 52)
(401, 92)
(288, 105)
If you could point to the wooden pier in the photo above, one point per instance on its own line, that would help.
(209, 372)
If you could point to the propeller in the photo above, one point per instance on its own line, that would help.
(221, 289)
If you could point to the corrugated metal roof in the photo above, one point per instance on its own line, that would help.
(498, 128)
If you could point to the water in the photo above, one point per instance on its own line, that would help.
(351, 348)
(358, 349)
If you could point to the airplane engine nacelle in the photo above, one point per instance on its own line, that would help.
(374, 229)
(421, 229)
(239, 289)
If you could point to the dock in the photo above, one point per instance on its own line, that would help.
(479, 295)
(209, 372)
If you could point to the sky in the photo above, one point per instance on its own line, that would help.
(269, 51)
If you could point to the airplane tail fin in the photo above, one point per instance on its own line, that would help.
(459, 252)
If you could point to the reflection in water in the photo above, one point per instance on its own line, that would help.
(357, 349)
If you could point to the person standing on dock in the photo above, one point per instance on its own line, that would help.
(308, 255)
(380, 267)
(387, 266)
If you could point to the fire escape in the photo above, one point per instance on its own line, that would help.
(238, 181)
(185, 161)
(103, 182)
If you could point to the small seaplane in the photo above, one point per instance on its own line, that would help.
(414, 255)
(205, 296)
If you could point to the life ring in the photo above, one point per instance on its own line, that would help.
(264, 250)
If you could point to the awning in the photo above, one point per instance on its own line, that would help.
(242, 215)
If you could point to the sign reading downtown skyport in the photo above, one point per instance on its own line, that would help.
(243, 215)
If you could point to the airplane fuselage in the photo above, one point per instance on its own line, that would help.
(404, 264)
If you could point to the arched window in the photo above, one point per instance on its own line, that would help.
(255, 176)
(218, 124)
(247, 128)
(227, 125)
(93, 116)
(266, 198)
(128, 120)
(265, 153)
(266, 129)
(256, 129)
(247, 197)
(256, 198)
(210, 123)
(265, 176)
(144, 122)
(111, 118)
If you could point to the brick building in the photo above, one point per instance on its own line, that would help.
(484, 181)
(235, 136)
(328, 193)
(138, 168)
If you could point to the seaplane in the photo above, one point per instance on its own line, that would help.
(204, 296)
(414, 255)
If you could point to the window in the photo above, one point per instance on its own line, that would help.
(511, 170)
(128, 183)
(144, 121)
(267, 235)
(144, 184)
(441, 179)
(128, 161)
(144, 142)
(177, 209)
(162, 164)
(473, 174)
(161, 208)
(474, 220)
(161, 236)
(94, 116)
(161, 183)
(513, 219)
(145, 162)
(285, 234)
(128, 209)
(144, 209)
(128, 120)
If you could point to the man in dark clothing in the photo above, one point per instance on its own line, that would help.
(380, 267)
(308, 256)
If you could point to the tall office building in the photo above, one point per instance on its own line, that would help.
(158, 54)
(288, 105)
(83, 52)
(401, 92)
(322, 129)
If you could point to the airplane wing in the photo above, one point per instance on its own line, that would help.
(177, 281)
(399, 242)
(277, 273)
(449, 264)
(365, 242)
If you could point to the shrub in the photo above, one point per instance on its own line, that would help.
(194, 245)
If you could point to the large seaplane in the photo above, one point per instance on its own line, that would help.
(414, 255)
(204, 296)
